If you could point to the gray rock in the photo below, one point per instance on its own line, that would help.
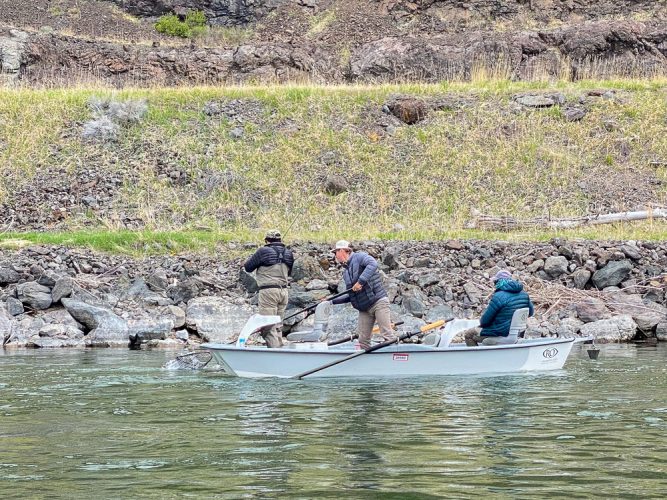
(439, 312)
(157, 328)
(55, 330)
(317, 285)
(535, 101)
(646, 314)
(591, 310)
(661, 331)
(63, 287)
(612, 274)
(568, 327)
(158, 280)
(183, 291)
(60, 315)
(175, 314)
(8, 276)
(216, 319)
(427, 280)
(555, 266)
(631, 252)
(7, 324)
(335, 184)
(34, 295)
(535, 266)
(616, 329)
(574, 114)
(580, 278)
(14, 306)
(342, 322)
(107, 329)
(307, 268)
(248, 281)
(48, 278)
(390, 257)
(236, 133)
(413, 306)
(473, 293)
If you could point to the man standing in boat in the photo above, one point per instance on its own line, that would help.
(367, 294)
(508, 296)
(273, 265)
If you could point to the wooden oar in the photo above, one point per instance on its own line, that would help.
(355, 335)
(405, 336)
(315, 305)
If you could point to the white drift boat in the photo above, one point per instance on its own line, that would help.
(391, 361)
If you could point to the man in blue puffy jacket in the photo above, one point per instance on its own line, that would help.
(495, 322)
(368, 295)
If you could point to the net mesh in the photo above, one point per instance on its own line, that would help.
(189, 361)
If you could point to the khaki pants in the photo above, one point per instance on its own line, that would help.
(273, 301)
(379, 313)
(472, 337)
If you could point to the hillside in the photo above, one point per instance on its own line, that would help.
(328, 161)
(61, 42)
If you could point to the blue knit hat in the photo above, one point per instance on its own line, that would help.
(502, 275)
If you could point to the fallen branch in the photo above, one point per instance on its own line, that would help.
(510, 223)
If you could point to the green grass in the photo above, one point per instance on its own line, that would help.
(429, 177)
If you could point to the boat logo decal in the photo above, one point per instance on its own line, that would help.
(550, 353)
(401, 356)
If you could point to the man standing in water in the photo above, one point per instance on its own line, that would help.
(273, 265)
(368, 296)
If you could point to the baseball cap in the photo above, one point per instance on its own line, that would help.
(273, 234)
(342, 244)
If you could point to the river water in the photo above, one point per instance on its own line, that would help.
(113, 424)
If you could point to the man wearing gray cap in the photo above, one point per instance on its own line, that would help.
(273, 265)
(368, 296)
(496, 319)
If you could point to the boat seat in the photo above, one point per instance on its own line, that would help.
(455, 327)
(517, 329)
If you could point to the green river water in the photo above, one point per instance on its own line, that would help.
(113, 424)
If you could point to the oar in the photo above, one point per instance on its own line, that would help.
(315, 305)
(355, 335)
(405, 336)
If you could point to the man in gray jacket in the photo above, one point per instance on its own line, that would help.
(368, 295)
(273, 265)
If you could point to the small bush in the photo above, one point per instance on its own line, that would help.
(195, 18)
(171, 24)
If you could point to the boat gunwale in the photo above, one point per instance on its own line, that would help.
(523, 345)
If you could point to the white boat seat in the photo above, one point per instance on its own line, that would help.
(455, 327)
(517, 329)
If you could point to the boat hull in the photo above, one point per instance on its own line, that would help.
(401, 360)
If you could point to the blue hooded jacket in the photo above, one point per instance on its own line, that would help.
(363, 268)
(508, 297)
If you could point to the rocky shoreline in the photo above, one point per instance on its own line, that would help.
(53, 296)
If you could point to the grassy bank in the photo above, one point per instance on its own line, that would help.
(480, 152)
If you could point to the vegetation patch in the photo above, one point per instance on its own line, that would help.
(193, 24)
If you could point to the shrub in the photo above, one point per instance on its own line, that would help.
(171, 24)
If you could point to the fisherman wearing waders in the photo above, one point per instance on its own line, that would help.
(368, 296)
(273, 265)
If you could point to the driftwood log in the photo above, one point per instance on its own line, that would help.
(496, 223)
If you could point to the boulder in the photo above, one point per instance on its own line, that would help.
(317, 285)
(183, 291)
(442, 311)
(647, 314)
(591, 310)
(175, 314)
(34, 295)
(307, 268)
(63, 287)
(555, 266)
(612, 274)
(342, 322)
(580, 278)
(158, 280)
(8, 276)
(216, 319)
(390, 257)
(14, 306)
(616, 329)
(106, 328)
(661, 331)
(248, 281)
